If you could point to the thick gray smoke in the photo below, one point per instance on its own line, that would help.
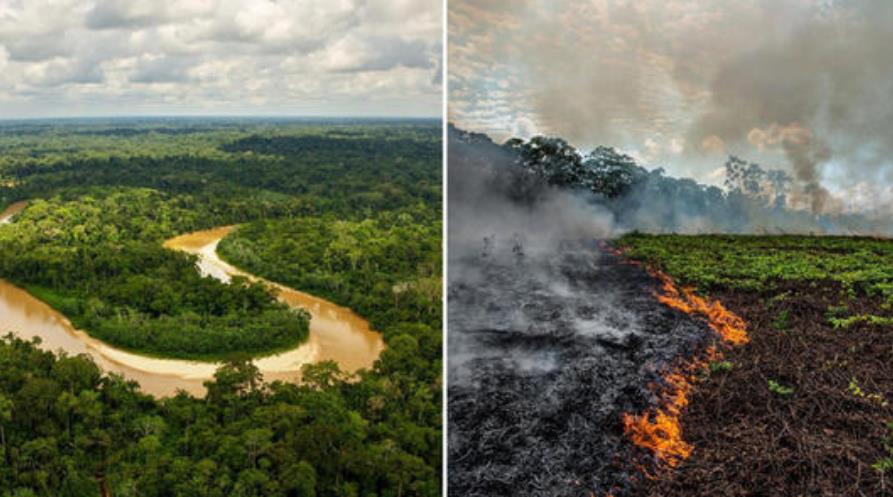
(805, 153)
(490, 198)
(820, 92)
(551, 337)
(497, 213)
(800, 85)
(542, 191)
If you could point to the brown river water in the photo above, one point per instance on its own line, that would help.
(336, 333)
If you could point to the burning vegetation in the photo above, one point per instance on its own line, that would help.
(688, 365)
(660, 429)
(804, 406)
(548, 350)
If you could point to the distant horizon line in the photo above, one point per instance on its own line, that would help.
(222, 117)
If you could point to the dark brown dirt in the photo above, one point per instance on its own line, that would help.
(820, 440)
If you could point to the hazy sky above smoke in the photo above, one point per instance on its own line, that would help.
(803, 85)
(293, 57)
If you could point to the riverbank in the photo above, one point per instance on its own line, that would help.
(336, 333)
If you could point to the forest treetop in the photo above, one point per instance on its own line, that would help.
(754, 199)
(102, 199)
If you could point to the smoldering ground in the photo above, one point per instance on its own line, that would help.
(550, 338)
(547, 352)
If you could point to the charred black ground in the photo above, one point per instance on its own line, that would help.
(546, 354)
(551, 343)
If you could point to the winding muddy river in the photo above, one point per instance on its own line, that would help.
(336, 333)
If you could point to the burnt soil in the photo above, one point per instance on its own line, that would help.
(818, 441)
(546, 354)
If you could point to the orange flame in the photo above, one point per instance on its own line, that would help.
(619, 252)
(659, 430)
(723, 321)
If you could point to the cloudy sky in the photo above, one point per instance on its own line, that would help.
(800, 85)
(220, 57)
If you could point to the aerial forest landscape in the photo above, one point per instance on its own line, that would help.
(446, 248)
(221, 248)
(670, 265)
(130, 365)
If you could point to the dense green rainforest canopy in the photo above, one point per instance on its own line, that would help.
(347, 210)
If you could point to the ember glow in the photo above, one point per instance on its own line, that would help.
(729, 325)
(659, 430)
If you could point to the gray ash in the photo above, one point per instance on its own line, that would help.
(546, 352)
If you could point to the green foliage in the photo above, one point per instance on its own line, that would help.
(782, 320)
(249, 169)
(781, 297)
(762, 264)
(747, 262)
(103, 197)
(112, 193)
(779, 389)
(837, 311)
(98, 259)
(885, 464)
(843, 323)
(386, 267)
(717, 366)
(66, 430)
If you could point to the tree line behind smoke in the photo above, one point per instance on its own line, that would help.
(753, 200)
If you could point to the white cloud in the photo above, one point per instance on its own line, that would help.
(373, 53)
(340, 57)
(124, 14)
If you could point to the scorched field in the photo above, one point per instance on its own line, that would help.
(805, 406)
(664, 365)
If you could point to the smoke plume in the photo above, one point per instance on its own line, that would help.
(799, 85)
(489, 197)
